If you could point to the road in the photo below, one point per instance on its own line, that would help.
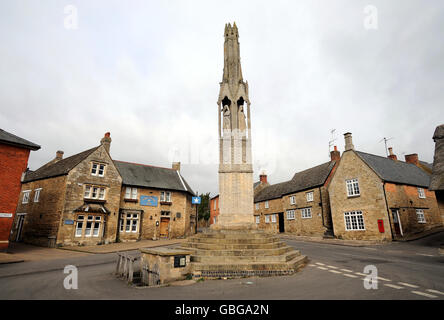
(412, 270)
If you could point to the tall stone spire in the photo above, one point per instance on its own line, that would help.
(235, 162)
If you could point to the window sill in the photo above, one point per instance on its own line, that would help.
(94, 200)
(354, 196)
(130, 200)
(167, 203)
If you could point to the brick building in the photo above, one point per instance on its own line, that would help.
(154, 203)
(300, 205)
(80, 200)
(379, 198)
(14, 154)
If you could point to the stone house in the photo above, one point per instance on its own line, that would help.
(379, 198)
(89, 199)
(14, 154)
(155, 203)
(437, 180)
(72, 200)
(300, 205)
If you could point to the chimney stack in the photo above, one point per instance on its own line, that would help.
(391, 154)
(59, 155)
(176, 166)
(348, 141)
(106, 141)
(412, 158)
(335, 155)
(263, 177)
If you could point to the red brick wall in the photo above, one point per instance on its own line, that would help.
(214, 212)
(13, 162)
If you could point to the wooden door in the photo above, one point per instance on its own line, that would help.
(164, 223)
(21, 219)
(396, 222)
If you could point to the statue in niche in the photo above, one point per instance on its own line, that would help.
(227, 118)
(242, 125)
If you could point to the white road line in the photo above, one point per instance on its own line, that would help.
(435, 291)
(312, 265)
(346, 270)
(321, 264)
(370, 248)
(425, 255)
(322, 268)
(349, 275)
(334, 271)
(424, 294)
(361, 274)
(383, 279)
(408, 285)
(333, 267)
(393, 286)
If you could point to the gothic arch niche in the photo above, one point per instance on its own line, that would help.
(241, 116)
(226, 113)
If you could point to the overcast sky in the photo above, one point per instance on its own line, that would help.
(149, 73)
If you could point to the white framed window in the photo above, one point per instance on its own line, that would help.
(420, 216)
(129, 222)
(258, 219)
(92, 192)
(290, 214)
(267, 218)
(98, 169)
(96, 226)
(421, 193)
(352, 187)
(215, 204)
(37, 194)
(306, 213)
(257, 206)
(354, 220)
(165, 196)
(266, 205)
(79, 226)
(87, 192)
(101, 193)
(292, 200)
(88, 227)
(310, 196)
(26, 194)
(273, 218)
(131, 193)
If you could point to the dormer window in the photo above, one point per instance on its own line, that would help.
(421, 193)
(98, 169)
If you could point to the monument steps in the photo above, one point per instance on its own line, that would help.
(246, 258)
(237, 252)
(232, 246)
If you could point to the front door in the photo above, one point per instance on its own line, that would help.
(164, 223)
(397, 222)
(281, 222)
(20, 220)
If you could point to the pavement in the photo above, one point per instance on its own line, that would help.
(405, 270)
(319, 239)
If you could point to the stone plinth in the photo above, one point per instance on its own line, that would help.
(233, 254)
(163, 265)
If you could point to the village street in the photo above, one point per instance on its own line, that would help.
(406, 270)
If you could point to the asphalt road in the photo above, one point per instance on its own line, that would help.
(412, 270)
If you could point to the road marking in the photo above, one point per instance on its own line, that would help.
(424, 294)
(322, 268)
(312, 265)
(349, 275)
(426, 255)
(333, 267)
(408, 285)
(321, 264)
(383, 279)
(370, 248)
(361, 274)
(334, 271)
(393, 286)
(346, 270)
(435, 291)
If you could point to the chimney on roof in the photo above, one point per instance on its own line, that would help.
(106, 141)
(348, 141)
(391, 154)
(176, 166)
(412, 158)
(263, 177)
(335, 155)
(59, 155)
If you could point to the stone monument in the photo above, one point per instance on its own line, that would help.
(234, 247)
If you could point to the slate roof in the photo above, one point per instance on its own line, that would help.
(307, 179)
(11, 139)
(256, 184)
(58, 168)
(140, 175)
(395, 171)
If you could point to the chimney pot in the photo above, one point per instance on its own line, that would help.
(59, 154)
(106, 141)
(348, 141)
(176, 166)
(412, 158)
(335, 155)
(263, 177)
